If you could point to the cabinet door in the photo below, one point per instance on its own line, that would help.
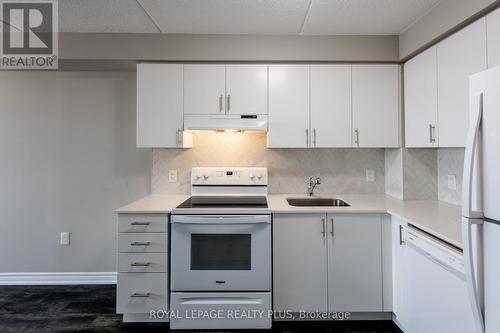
(299, 262)
(458, 56)
(493, 33)
(246, 89)
(159, 105)
(420, 90)
(355, 263)
(288, 106)
(398, 267)
(204, 89)
(331, 106)
(375, 105)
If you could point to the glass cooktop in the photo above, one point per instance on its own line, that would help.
(201, 201)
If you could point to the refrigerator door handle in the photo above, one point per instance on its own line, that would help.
(470, 277)
(470, 151)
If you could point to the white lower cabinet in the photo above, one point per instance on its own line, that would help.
(354, 263)
(327, 262)
(141, 292)
(299, 262)
(398, 286)
(142, 284)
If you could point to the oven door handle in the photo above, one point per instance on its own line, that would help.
(221, 219)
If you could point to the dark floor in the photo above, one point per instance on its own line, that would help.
(92, 309)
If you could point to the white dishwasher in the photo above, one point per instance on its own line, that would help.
(434, 291)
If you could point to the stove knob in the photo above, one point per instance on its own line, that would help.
(259, 176)
(198, 176)
(205, 176)
(252, 176)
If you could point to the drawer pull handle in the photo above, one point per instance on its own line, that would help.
(140, 223)
(143, 295)
(140, 243)
(140, 264)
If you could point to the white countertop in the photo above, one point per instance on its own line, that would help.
(437, 218)
(154, 203)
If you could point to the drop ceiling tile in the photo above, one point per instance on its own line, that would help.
(228, 16)
(103, 16)
(364, 17)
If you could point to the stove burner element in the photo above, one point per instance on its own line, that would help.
(200, 201)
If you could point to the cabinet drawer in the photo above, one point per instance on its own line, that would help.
(142, 242)
(141, 292)
(142, 262)
(143, 223)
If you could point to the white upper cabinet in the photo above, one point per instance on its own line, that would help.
(331, 106)
(493, 26)
(159, 106)
(420, 89)
(288, 106)
(458, 56)
(246, 89)
(204, 89)
(354, 263)
(375, 105)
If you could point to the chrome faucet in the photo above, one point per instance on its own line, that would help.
(311, 184)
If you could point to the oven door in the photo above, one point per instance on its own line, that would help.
(221, 252)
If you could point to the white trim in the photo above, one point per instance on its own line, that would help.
(57, 278)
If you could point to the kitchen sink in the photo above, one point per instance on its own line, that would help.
(312, 202)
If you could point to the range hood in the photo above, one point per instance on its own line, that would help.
(242, 122)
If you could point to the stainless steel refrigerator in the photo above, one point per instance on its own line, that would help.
(481, 201)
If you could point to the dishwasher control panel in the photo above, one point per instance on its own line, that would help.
(435, 249)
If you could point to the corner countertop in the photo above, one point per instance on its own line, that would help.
(435, 217)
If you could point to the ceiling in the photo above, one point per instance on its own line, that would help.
(290, 17)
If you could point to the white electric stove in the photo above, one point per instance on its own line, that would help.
(221, 251)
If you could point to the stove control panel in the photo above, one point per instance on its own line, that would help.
(229, 176)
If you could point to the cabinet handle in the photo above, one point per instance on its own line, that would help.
(220, 103)
(179, 140)
(144, 295)
(307, 137)
(140, 223)
(323, 229)
(356, 136)
(228, 103)
(314, 137)
(432, 139)
(331, 232)
(401, 242)
(140, 264)
(140, 243)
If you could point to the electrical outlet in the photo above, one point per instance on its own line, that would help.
(452, 182)
(64, 238)
(370, 176)
(172, 176)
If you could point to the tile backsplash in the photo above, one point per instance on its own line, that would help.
(341, 170)
(450, 162)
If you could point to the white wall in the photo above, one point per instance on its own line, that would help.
(67, 159)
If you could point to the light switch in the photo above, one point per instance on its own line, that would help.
(452, 182)
(172, 176)
(64, 238)
(370, 176)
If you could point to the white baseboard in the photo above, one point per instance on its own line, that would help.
(56, 278)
